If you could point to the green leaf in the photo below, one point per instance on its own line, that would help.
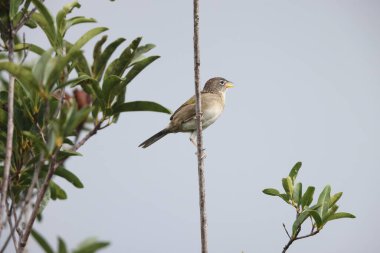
(288, 186)
(138, 67)
(335, 198)
(68, 141)
(120, 99)
(324, 201)
(330, 212)
(44, 25)
(45, 13)
(140, 106)
(31, 24)
(69, 176)
(100, 63)
(60, 65)
(119, 65)
(110, 83)
(81, 65)
(140, 51)
(57, 192)
(61, 16)
(62, 248)
(29, 46)
(77, 20)
(41, 68)
(341, 215)
(45, 20)
(98, 48)
(307, 198)
(13, 8)
(285, 197)
(94, 84)
(294, 171)
(74, 82)
(298, 222)
(275, 192)
(63, 154)
(303, 216)
(315, 207)
(23, 74)
(297, 194)
(90, 245)
(271, 192)
(36, 140)
(317, 218)
(75, 119)
(87, 36)
(42, 242)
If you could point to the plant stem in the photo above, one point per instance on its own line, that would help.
(87, 136)
(292, 239)
(200, 150)
(40, 196)
(10, 129)
(52, 168)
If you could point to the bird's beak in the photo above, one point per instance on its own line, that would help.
(229, 85)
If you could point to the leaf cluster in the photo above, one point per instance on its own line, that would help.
(61, 96)
(320, 212)
(90, 245)
(47, 118)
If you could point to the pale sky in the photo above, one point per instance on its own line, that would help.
(307, 87)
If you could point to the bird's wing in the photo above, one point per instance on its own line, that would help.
(188, 108)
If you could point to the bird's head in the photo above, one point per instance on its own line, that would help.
(217, 84)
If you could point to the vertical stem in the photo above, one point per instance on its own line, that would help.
(200, 153)
(41, 194)
(10, 128)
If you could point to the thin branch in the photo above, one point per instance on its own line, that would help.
(87, 136)
(286, 247)
(12, 229)
(27, 199)
(283, 224)
(25, 18)
(200, 150)
(9, 217)
(10, 128)
(40, 196)
(312, 225)
(52, 168)
(26, 50)
(306, 236)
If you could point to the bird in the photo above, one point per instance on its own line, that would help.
(213, 98)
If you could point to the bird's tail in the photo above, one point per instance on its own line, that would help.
(154, 138)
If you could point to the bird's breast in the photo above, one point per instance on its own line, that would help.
(210, 115)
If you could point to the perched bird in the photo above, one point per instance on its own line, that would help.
(184, 120)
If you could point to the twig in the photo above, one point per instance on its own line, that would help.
(26, 50)
(87, 136)
(295, 238)
(52, 168)
(40, 196)
(10, 128)
(9, 217)
(283, 224)
(24, 19)
(28, 197)
(312, 225)
(200, 150)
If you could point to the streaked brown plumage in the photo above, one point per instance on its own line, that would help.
(183, 119)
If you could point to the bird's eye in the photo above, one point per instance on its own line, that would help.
(222, 82)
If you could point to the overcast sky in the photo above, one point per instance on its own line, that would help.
(307, 87)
